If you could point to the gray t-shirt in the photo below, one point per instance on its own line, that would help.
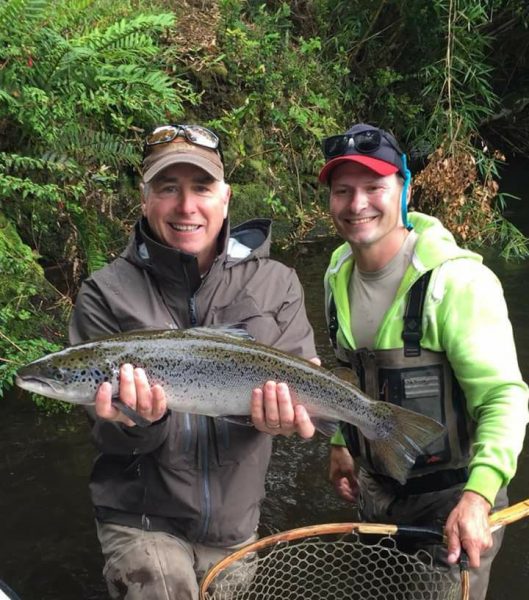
(372, 293)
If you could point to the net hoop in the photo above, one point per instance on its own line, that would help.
(285, 536)
(308, 535)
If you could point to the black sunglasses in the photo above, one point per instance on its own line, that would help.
(362, 142)
(195, 134)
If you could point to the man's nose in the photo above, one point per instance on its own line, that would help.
(358, 200)
(186, 201)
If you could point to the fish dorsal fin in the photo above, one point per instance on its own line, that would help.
(236, 330)
(346, 374)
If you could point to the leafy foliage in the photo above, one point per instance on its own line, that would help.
(460, 182)
(25, 325)
(281, 101)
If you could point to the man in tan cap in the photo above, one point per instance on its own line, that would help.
(174, 497)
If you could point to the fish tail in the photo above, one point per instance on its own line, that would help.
(407, 437)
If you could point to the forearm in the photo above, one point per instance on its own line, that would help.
(498, 440)
(480, 347)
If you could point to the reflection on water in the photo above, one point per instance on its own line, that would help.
(48, 548)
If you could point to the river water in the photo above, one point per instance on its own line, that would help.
(48, 547)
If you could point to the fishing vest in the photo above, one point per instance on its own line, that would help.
(417, 379)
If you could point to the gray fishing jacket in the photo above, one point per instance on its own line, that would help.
(193, 476)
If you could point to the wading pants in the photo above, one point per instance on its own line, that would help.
(152, 565)
(378, 504)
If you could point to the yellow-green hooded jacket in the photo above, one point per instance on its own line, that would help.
(465, 316)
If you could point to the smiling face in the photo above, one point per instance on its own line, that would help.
(185, 208)
(365, 208)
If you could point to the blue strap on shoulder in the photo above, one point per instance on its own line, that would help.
(403, 202)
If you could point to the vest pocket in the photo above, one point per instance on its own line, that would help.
(420, 390)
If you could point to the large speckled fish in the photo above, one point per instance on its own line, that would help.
(212, 371)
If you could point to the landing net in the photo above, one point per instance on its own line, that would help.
(328, 562)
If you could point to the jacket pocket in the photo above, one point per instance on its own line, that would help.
(179, 451)
(236, 444)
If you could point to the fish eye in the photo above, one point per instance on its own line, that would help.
(59, 375)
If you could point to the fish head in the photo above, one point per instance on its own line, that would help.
(72, 375)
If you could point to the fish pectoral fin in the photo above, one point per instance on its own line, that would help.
(238, 419)
(131, 413)
(325, 426)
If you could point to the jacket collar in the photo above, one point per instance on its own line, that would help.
(247, 241)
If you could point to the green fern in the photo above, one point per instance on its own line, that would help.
(22, 15)
(23, 187)
(127, 34)
(59, 165)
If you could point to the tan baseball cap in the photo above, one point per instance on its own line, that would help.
(180, 151)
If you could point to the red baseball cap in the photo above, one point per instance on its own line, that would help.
(364, 144)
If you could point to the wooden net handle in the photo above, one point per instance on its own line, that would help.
(509, 515)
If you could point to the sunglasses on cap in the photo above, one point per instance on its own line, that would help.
(195, 134)
(361, 142)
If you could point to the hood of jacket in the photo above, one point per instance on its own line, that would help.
(435, 245)
(249, 241)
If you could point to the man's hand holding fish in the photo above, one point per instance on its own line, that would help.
(272, 409)
(136, 393)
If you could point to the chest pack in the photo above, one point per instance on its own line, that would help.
(417, 379)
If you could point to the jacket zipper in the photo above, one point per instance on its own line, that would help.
(203, 458)
(203, 450)
(187, 433)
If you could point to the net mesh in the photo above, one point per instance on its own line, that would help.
(318, 567)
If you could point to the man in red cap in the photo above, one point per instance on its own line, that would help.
(173, 498)
(424, 324)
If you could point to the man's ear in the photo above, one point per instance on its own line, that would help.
(408, 195)
(226, 199)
